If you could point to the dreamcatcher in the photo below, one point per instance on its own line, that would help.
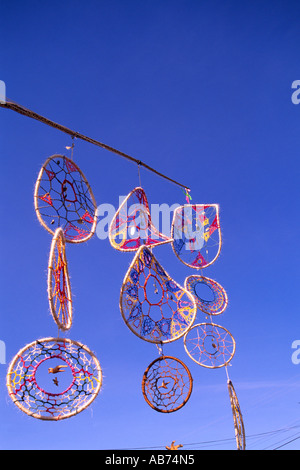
(196, 234)
(34, 386)
(153, 305)
(237, 418)
(132, 227)
(167, 384)
(56, 378)
(59, 288)
(63, 198)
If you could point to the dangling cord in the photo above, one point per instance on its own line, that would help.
(228, 379)
(72, 147)
(160, 348)
(139, 172)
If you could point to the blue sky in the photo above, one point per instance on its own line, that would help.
(201, 91)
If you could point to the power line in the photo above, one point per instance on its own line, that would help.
(27, 112)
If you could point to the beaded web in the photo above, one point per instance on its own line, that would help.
(210, 307)
(132, 227)
(196, 235)
(59, 289)
(209, 345)
(63, 198)
(237, 418)
(167, 384)
(153, 305)
(54, 378)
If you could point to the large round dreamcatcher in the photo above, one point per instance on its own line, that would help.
(54, 378)
(63, 198)
(167, 384)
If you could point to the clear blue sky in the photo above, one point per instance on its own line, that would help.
(200, 90)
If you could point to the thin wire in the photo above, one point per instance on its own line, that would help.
(27, 112)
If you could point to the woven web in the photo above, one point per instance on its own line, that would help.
(63, 198)
(210, 307)
(53, 396)
(59, 291)
(237, 418)
(132, 227)
(196, 234)
(153, 305)
(209, 345)
(167, 384)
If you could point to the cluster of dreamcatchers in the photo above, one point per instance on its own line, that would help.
(56, 378)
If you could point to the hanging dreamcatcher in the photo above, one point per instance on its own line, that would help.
(59, 288)
(237, 418)
(167, 384)
(63, 198)
(132, 227)
(196, 234)
(153, 305)
(54, 378)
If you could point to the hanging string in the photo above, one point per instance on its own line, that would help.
(72, 147)
(139, 172)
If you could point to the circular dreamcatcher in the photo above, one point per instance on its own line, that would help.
(167, 384)
(54, 378)
(209, 345)
(237, 418)
(153, 305)
(63, 198)
(218, 301)
(196, 234)
(59, 288)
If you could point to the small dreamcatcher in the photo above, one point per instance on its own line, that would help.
(213, 306)
(167, 384)
(54, 378)
(63, 198)
(209, 345)
(196, 234)
(132, 227)
(59, 288)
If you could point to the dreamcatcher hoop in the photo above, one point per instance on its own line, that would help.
(167, 384)
(160, 319)
(130, 229)
(63, 198)
(59, 288)
(209, 345)
(210, 307)
(28, 378)
(238, 422)
(196, 234)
